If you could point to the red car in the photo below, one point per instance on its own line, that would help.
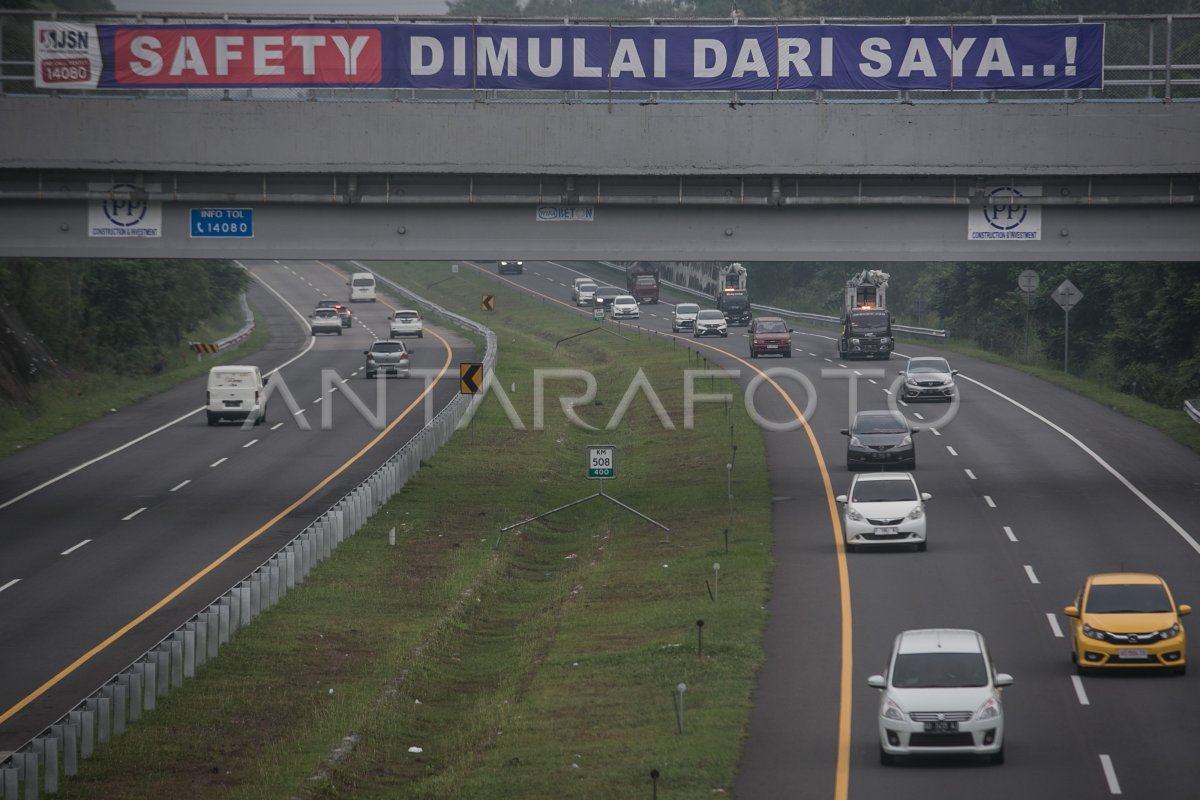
(770, 335)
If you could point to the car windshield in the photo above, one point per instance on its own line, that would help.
(708, 314)
(869, 321)
(326, 312)
(587, 287)
(928, 365)
(608, 291)
(772, 327)
(883, 491)
(364, 281)
(1127, 598)
(406, 316)
(939, 670)
(388, 347)
(880, 424)
(626, 300)
(687, 308)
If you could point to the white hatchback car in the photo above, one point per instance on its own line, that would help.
(625, 306)
(685, 317)
(884, 508)
(710, 322)
(940, 694)
(928, 378)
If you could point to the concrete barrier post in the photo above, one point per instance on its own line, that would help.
(149, 685)
(74, 719)
(70, 751)
(246, 614)
(31, 776)
(200, 626)
(324, 534)
(104, 719)
(224, 622)
(136, 694)
(189, 649)
(120, 701)
(255, 595)
(289, 560)
(87, 745)
(8, 781)
(50, 755)
(163, 655)
(273, 579)
(176, 655)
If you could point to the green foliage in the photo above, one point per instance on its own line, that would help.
(124, 316)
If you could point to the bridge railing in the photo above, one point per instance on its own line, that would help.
(1146, 58)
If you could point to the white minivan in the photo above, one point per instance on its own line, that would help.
(362, 287)
(236, 392)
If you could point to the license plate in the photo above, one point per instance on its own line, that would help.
(232, 403)
(889, 531)
(1131, 652)
(941, 726)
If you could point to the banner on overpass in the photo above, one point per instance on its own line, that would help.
(619, 58)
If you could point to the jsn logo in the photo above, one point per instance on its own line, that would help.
(65, 39)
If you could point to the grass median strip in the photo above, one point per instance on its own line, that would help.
(445, 666)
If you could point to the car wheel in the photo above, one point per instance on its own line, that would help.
(1181, 670)
(1080, 669)
(421, 335)
(998, 756)
(369, 375)
(919, 547)
(212, 419)
(851, 548)
(753, 354)
(788, 354)
(339, 331)
(886, 758)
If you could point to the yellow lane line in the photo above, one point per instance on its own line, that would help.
(142, 617)
(842, 775)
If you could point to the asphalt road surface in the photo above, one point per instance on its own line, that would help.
(100, 524)
(1033, 489)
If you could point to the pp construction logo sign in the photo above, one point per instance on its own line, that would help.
(123, 214)
(1006, 215)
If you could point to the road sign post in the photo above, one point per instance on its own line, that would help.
(1027, 282)
(601, 463)
(1067, 296)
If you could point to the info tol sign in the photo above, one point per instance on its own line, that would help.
(221, 223)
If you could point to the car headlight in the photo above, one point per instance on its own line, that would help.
(910, 381)
(884, 340)
(854, 341)
(1169, 632)
(989, 710)
(892, 711)
(853, 514)
(916, 513)
(854, 442)
(1092, 633)
(906, 441)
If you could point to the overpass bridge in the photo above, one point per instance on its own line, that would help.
(912, 174)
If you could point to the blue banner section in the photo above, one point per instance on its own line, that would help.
(619, 58)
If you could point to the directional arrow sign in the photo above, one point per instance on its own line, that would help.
(489, 302)
(470, 377)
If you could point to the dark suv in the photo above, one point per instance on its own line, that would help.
(515, 267)
(880, 439)
(770, 335)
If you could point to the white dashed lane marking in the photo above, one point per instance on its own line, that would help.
(180, 486)
(134, 514)
(73, 548)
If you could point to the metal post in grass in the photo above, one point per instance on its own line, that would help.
(70, 751)
(716, 580)
(87, 746)
(681, 688)
(654, 783)
(700, 637)
(120, 704)
(50, 759)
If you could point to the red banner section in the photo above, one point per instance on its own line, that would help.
(247, 56)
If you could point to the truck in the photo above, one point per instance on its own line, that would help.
(732, 297)
(641, 281)
(866, 321)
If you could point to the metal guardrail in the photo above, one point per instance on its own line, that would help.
(242, 335)
(1192, 407)
(822, 319)
(135, 690)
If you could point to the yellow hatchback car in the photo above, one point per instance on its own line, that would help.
(1127, 620)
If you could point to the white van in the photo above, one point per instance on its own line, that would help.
(236, 392)
(362, 287)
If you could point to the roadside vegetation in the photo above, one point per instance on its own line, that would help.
(463, 662)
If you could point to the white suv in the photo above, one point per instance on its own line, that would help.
(685, 317)
(940, 694)
(625, 307)
(710, 322)
(406, 322)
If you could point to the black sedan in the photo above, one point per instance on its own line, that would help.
(880, 439)
(605, 294)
